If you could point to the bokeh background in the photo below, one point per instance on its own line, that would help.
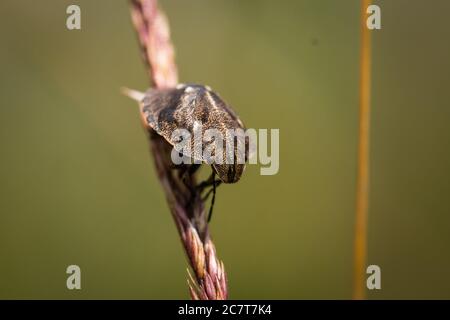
(77, 184)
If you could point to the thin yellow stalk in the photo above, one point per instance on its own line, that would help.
(362, 189)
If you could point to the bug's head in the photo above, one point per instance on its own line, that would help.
(232, 171)
(229, 173)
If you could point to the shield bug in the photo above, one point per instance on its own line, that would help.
(194, 108)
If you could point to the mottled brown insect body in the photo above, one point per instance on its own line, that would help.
(187, 106)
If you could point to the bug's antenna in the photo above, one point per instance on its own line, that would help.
(133, 94)
(213, 197)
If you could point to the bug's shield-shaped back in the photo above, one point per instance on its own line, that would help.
(200, 126)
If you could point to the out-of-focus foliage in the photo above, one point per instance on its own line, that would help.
(78, 185)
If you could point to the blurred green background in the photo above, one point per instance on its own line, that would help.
(78, 185)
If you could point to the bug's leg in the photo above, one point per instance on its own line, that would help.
(193, 168)
(207, 183)
(190, 171)
(206, 196)
(213, 199)
(187, 170)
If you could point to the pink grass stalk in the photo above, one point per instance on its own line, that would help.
(208, 280)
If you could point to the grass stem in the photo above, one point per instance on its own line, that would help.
(362, 188)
